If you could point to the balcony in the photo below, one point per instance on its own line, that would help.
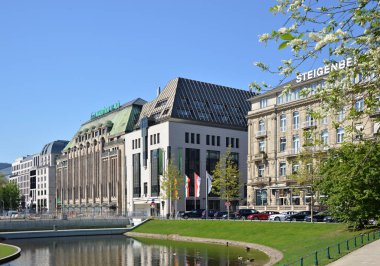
(261, 181)
(114, 143)
(309, 124)
(261, 134)
(260, 156)
(292, 152)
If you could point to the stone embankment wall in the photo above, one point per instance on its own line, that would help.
(56, 224)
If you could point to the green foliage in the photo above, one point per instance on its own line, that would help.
(10, 195)
(171, 183)
(3, 180)
(332, 30)
(351, 182)
(225, 181)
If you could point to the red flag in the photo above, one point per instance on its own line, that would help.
(187, 186)
(197, 185)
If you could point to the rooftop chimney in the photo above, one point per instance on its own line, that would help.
(158, 91)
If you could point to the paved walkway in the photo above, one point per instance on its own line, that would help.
(369, 255)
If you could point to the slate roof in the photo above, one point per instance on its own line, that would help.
(200, 102)
(54, 147)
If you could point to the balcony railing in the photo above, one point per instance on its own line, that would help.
(260, 156)
(260, 180)
(309, 124)
(292, 152)
(261, 134)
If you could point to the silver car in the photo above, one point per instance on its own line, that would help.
(280, 216)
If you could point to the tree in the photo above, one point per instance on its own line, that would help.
(332, 30)
(171, 183)
(3, 180)
(309, 161)
(225, 181)
(10, 196)
(351, 182)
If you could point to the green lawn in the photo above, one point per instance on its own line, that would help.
(6, 251)
(295, 240)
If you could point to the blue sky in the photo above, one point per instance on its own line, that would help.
(62, 60)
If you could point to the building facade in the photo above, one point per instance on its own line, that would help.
(91, 175)
(24, 173)
(46, 176)
(280, 126)
(191, 123)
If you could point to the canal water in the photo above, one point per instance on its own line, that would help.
(121, 250)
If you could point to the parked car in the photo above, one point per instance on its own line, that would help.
(210, 214)
(219, 215)
(192, 214)
(319, 217)
(243, 213)
(231, 217)
(261, 215)
(299, 216)
(281, 216)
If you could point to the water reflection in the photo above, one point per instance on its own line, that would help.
(120, 250)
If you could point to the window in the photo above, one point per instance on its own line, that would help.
(359, 105)
(325, 137)
(198, 138)
(232, 142)
(282, 168)
(309, 120)
(263, 102)
(296, 143)
(199, 104)
(340, 115)
(207, 139)
(296, 120)
(161, 103)
(260, 170)
(186, 137)
(192, 138)
(218, 141)
(151, 139)
(133, 144)
(339, 135)
(282, 144)
(227, 141)
(262, 145)
(213, 140)
(218, 107)
(237, 143)
(295, 168)
(154, 138)
(296, 94)
(325, 120)
(158, 137)
(280, 99)
(261, 126)
(283, 122)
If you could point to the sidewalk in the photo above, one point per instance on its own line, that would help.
(368, 255)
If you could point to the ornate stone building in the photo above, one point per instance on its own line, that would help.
(279, 127)
(91, 176)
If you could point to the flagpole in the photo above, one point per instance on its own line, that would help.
(195, 191)
(206, 195)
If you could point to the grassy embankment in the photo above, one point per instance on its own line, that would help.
(6, 251)
(292, 239)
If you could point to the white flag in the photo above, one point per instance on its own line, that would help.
(209, 182)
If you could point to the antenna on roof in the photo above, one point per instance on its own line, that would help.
(158, 91)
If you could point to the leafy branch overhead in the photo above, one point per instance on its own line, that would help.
(333, 30)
